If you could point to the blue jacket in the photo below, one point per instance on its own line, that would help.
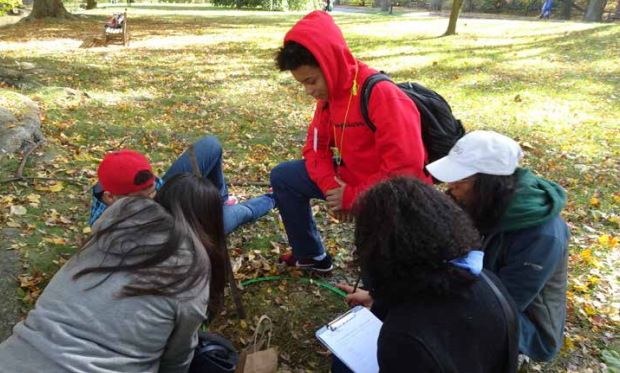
(528, 251)
(97, 207)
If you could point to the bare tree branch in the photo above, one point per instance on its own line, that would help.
(14, 179)
(20, 169)
(246, 182)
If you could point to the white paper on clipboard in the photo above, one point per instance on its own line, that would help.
(353, 337)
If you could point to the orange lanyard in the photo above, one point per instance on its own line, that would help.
(344, 124)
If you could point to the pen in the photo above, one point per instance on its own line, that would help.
(356, 284)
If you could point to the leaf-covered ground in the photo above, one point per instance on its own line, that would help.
(191, 71)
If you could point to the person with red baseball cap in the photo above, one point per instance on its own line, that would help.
(125, 173)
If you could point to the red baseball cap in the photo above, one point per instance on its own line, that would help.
(118, 170)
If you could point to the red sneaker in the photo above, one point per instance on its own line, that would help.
(232, 200)
(289, 259)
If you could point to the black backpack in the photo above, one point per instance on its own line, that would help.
(213, 354)
(440, 130)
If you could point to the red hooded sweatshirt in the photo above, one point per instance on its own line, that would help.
(395, 148)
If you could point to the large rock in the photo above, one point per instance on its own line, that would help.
(20, 122)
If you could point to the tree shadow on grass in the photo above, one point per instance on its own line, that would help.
(567, 49)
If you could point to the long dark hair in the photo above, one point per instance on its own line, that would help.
(406, 232)
(200, 202)
(491, 196)
(143, 234)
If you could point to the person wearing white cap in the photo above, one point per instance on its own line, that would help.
(525, 238)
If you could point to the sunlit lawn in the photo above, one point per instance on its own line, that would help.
(189, 72)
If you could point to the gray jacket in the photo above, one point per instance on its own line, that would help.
(73, 329)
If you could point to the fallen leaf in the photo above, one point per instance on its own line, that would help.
(56, 241)
(589, 310)
(56, 187)
(18, 210)
(34, 198)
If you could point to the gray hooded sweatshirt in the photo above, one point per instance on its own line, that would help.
(73, 329)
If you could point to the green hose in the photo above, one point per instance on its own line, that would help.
(302, 279)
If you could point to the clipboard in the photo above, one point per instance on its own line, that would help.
(353, 337)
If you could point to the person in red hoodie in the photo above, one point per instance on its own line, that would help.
(317, 55)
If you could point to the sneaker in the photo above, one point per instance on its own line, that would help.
(289, 259)
(232, 200)
(324, 265)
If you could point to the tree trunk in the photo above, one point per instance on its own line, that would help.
(436, 5)
(568, 7)
(595, 10)
(48, 8)
(618, 10)
(91, 4)
(385, 5)
(454, 16)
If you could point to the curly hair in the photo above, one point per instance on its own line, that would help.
(406, 232)
(293, 55)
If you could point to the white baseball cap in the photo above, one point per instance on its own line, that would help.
(485, 152)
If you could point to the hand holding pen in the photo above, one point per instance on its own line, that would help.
(356, 297)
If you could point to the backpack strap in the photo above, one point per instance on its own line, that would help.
(369, 83)
(212, 348)
(511, 323)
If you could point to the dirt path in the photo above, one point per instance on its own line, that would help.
(10, 20)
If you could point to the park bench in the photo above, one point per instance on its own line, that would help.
(418, 4)
(613, 16)
(115, 30)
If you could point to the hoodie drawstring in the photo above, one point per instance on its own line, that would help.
(344, 124)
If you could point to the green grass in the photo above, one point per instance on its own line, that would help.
(298, 310)
(193, 70)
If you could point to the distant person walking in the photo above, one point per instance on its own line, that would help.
(545, 13)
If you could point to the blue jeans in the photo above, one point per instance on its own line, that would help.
(293, 189)
(209, 157)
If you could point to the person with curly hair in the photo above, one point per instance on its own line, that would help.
(525, 238)
(437, 316)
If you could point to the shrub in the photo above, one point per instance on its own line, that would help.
(7, 6)
(272, 5)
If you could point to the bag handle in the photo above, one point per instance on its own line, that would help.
(260, 321)
(511, 324)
